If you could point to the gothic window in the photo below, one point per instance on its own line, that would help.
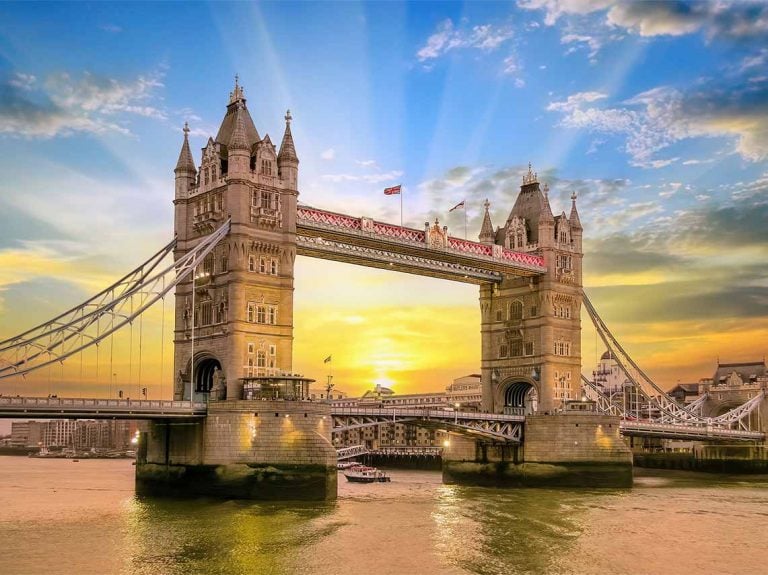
(516, 348)
(528, 348)
(251, 348)
(206, 313)
(206, 176)
(273, 267)
(534, 311)
(261, 359)
(213, 172)
(516, 310)
(251, 312)
(503, 350)
(266, 200)
(271, 315)
(217, 202)
(249, 370)
(208, 265)
(499, 315)
(261, 314)
(254, 199)
(251, 263)
(224, 264)
(262, 265)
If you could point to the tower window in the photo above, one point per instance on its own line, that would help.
(503, 350)
(516, 310)
(273, 267)
(261, 314)
(251, 263)
(263, 265)
(251, 312)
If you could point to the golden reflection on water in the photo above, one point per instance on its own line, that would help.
(59, 517)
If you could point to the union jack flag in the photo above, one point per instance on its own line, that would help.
(457, 206)
(394, 190)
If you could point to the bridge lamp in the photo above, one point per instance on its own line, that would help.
(447, 443)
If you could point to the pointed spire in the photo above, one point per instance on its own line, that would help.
(287, 149)
(238, 140)
(546, 210)
(531, 177)
(237, 93)
(574, 218)
(486, 230)
(186, 162)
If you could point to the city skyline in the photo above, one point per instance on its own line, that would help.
(451, 101)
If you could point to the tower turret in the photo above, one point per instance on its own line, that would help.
(185, 168)
(287, 160)
(239, 153)
(486, 230)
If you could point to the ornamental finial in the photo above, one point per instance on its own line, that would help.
(486, 204)
(237, 93)
(531, 177)
(288, 117)
(573, 196)
(186, 129)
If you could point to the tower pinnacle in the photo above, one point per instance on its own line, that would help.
(238, 93)
(186, 162)
(574, 217)
(486, 229)
(287, 149)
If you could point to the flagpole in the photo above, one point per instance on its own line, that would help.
(401, 207)
(465, 221)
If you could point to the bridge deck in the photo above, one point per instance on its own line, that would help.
(364, 241)
(89, 408)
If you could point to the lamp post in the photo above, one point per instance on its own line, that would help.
(456, 413)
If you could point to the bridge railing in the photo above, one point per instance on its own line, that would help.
(425, 413)
(69, 403)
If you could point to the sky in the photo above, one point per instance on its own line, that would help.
(654, 113)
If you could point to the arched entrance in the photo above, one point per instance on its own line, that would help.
(204, 370)
(520, 398)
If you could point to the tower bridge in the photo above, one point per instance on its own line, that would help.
(238, 229)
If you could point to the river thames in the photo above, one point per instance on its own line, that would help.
(58, 516)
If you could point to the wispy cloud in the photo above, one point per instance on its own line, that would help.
(446, 38)
(366, 178)
(64, 105)
(328, 154)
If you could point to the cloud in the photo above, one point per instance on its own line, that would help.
(446, 38)
(64, 105)
(555, 9)
(111, 28)
(654, 120)
(366, 163)
(732, 20)
(366, 178)
(22, 81)
(328, 154)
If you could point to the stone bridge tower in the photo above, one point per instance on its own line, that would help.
(531, 328)
(238, 320)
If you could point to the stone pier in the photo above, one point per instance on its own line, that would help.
(570, 449)
(267, 450)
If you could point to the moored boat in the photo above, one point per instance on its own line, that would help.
(365, 474)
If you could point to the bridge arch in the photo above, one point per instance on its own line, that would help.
(206, 364)
(519, 396)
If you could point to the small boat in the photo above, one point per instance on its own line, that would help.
(364, 474)
(341, 465)
(75, 461)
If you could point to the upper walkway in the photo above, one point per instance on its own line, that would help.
(430, 252)
(90, 408)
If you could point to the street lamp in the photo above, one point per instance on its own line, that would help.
(456, 413)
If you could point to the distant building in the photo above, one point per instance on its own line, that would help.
(685, 393)
(81, 434)
(609, 375)
(466, 391)
(321, 394)
(26, 433)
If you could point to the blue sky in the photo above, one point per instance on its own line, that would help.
(655, 113)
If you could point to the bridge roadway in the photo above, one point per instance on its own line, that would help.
(493, 426)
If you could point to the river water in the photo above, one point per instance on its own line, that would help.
(57, 516)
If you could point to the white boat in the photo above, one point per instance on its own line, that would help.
(365, 474)
(347, 464)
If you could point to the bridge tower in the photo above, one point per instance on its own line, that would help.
(237, 322)
(531, 327)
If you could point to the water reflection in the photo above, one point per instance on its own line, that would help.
(166, 536)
